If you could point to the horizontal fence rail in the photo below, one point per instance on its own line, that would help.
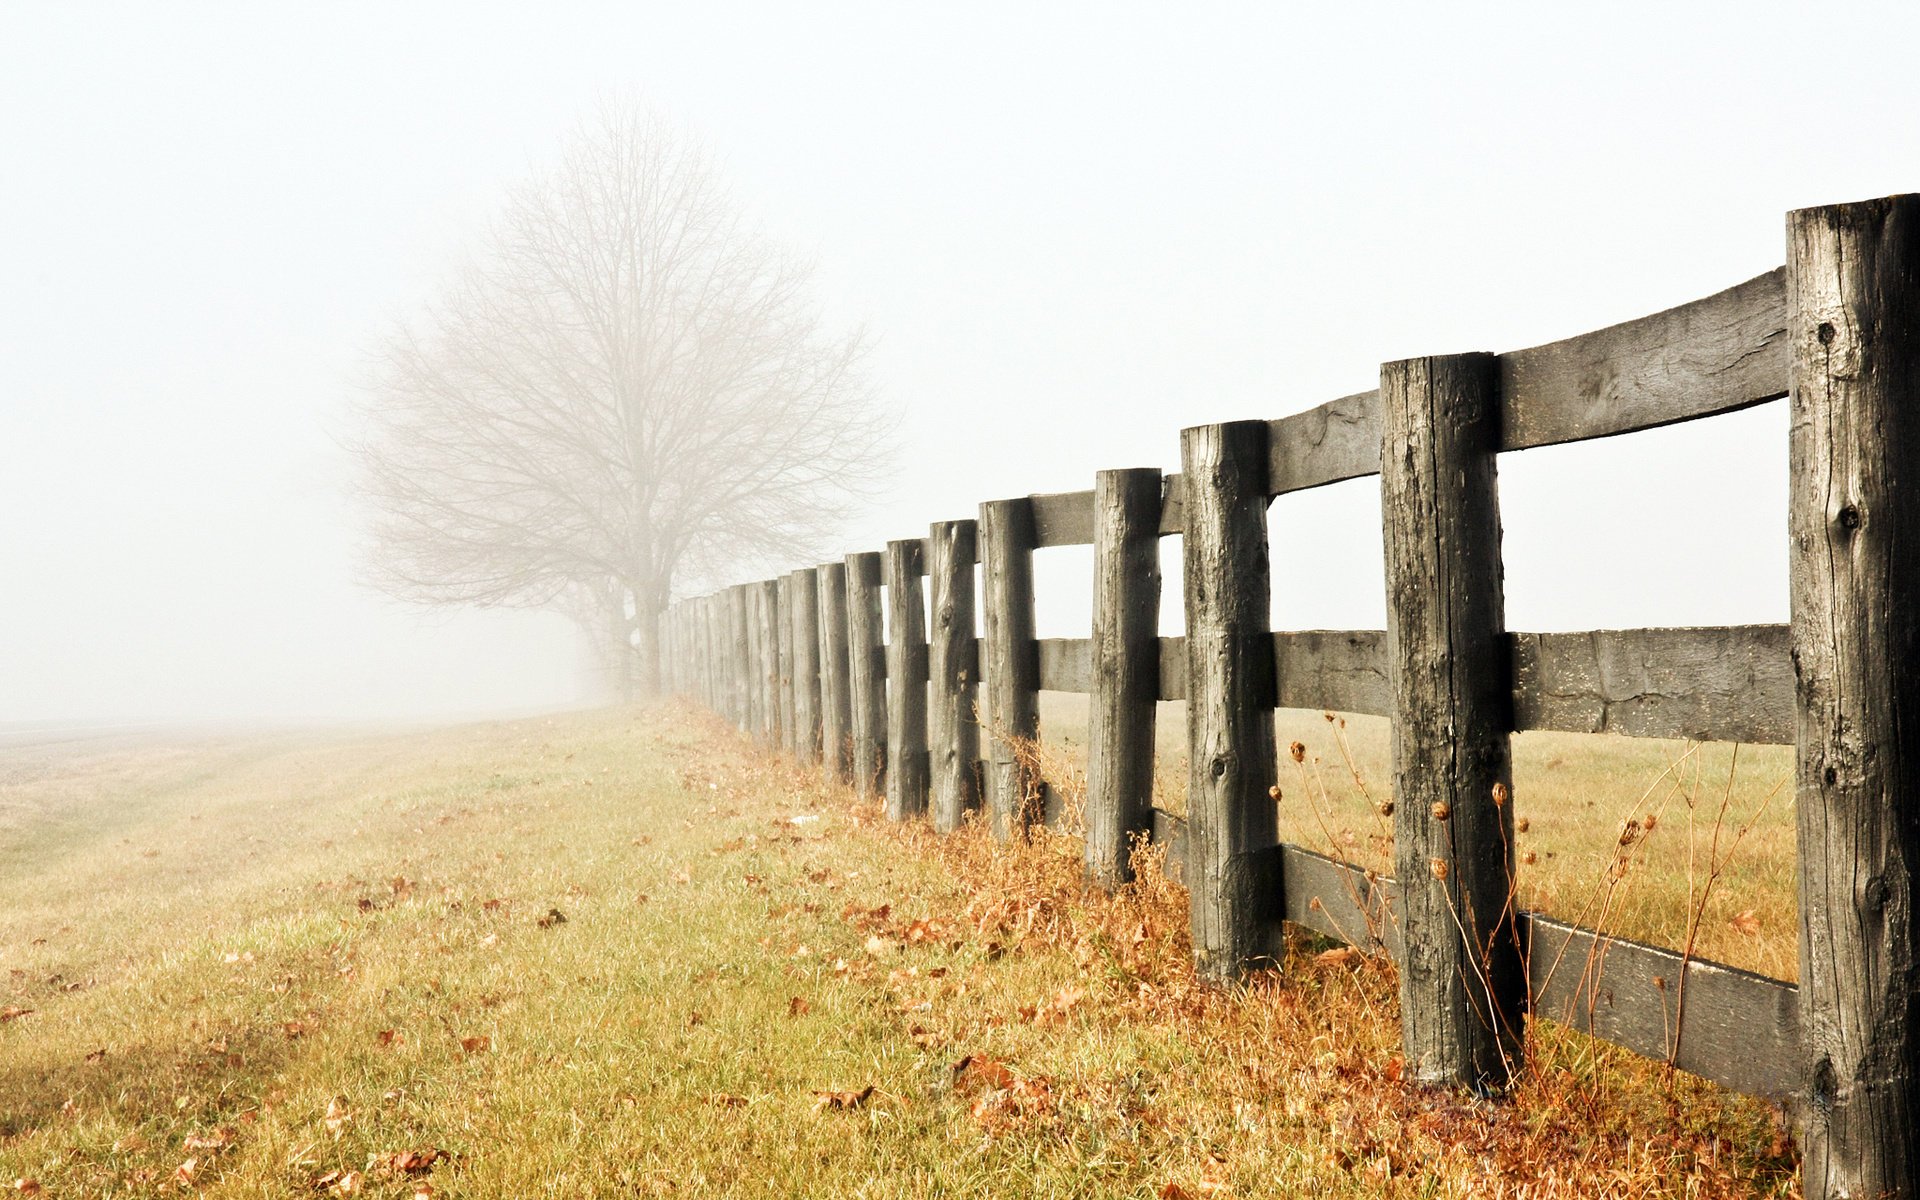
(931, 712)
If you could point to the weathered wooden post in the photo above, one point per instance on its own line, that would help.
(806, 664)
(1010, 672)
(1232, 870)
(867, 672)
(1462, 986)
(1853, 289)
(836, 702)
(737, 656)
(745, 657)
(757, 720)
(953, 730)
(766, 614)
(1126, 669)
(783, 652)
(906, 680)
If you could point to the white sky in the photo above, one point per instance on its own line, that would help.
(1072, 229)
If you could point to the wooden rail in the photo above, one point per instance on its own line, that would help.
(1837, 331)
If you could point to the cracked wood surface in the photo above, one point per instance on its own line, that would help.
(906, 666)
(867, 672)
(953, 730)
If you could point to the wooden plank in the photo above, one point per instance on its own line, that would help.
(766, 613)
(1062, 519)
(1344, 670)
(1716, 355)
(836, 696)
(1736, 1028)
(1854, 521)
(1340, 900)
(1173, 668)
(738, 671)
(1125, 668)
(1009, 665)
(1230, 817)
(1326, 444)
(867, 673)
(1729, 684)
(805, 595)
(757, 720)
(1463, 985)
(953, 733)
(906, 674)
(1173, 505)
(1066, 664)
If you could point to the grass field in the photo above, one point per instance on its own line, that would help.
(623, 953)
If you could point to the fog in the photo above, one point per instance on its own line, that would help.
(1072, 230)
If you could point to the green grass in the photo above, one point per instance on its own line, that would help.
(276, 957)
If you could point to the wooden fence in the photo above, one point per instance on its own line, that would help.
(923, 716)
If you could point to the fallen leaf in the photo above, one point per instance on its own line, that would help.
(725, 1100)
(554, 917)
(337, 1116)
(12, 1012)
(211, 1142)
(477, 1045)
(1747, 923)
(183, 1174)
(293, 1029)
(683, 876)
(409, 1162)
(391, 1037)
(798, 1007)
(1339, 956)
(877, 945)
(977, 1070)
(27, 1187)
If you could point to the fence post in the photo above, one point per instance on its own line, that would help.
(806, 664)
(1126, 669)
(1463, 989)
(1232, 832)
(710, 652)
(766, 613)
(783, 664)
(953, 730)
(766, 724)
(1853, 299)
(1010, 672)
(745, 656)
(836, 705)
(737, 656)
(906, 680)
(867, 673)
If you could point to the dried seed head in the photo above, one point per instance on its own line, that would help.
(1629, 832)
(1273, 793)
(1649, 821)
(1520, 824)
(1529, 858)
(1329, 716)
(1499, 794)
(1438, 866)
(1386, 808)
(1298, 751)
(1442, 810)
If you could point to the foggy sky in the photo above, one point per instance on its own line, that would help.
(1072, 230)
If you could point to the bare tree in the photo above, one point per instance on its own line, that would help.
(627, 386)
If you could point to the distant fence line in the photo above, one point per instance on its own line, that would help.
(801, 661)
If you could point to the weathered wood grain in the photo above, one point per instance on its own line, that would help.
(1325, 444)
(1066, 664)
(1231, 820)
(1462, 984)
(757, 721)
(1009, 665)
(1340, 669)
(1062, 518)
(1738, 1029)
(907, 765)
(836, 696)
(1854, 515)
(1729, 684)
(783, 662)
(766, 615)
(805, 595)
(1723, 353)
(953, 730)
(1173, 668)
(867, 673)
(1125, 668)
(739, 695)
